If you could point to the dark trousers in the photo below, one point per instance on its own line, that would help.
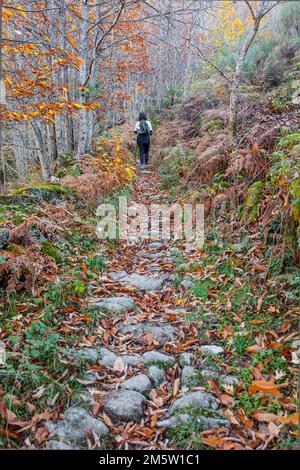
(144, 146)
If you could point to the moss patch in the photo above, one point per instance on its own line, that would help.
(251, 207)
(50, 250)
(42, 192)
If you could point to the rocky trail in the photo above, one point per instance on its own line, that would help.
(150, 369)
(147, 343)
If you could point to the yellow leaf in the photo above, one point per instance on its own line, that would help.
(72, 41)
(20, 8)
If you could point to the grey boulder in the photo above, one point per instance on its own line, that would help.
(91, 377)
(140, 383)
(107, 358)
(131, 360)
(211, 350)
(194, 400)
(162, 333)
(206, 422)
(155, 245)
(143, 282)
(152, 255)
(85, 355)
(186, 359)
(116, 304)
(295, 344)
(125, 405)
(175, 251)
(156, 375)
(76, 423)
(199, 376)
(156, 356)
(188, 374)
(208, 374)
(59, 445)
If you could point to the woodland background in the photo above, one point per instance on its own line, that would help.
(74, 69)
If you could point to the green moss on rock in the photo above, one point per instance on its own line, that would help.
(9, 200)
(40, 189)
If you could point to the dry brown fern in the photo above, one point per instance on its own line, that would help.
(26, 271)
(23, 234)
(91, 186)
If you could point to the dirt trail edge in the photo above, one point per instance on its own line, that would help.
(148, 377)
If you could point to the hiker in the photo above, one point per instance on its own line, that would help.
(143, 129)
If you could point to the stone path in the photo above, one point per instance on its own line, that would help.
(150, 369)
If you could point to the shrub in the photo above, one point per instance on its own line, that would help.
(173, 96)
(111, 167)
(175, 166)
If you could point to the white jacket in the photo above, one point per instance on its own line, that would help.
(137, 126)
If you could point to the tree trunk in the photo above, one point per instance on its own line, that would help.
(68, 124)
(1, 84)
(235, 91)
(18, 147)
(43, 153)
(53, 150)
(83, 121)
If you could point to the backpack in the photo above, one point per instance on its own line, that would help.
(144, 128)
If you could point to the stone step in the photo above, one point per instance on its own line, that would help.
(73, 427)
(162, 333)
(139, 281)
(125, 405)
(115, 304)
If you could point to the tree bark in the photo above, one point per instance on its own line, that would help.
(235, 91)
(1, 84)
(68, 123)
(83, 121)
(43, 153)
(18, 147)
(53, 149)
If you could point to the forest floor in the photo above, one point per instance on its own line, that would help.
(178, 348)
(176, 369)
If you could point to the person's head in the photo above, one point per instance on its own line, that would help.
(142, 117)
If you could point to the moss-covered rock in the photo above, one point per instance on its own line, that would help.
(13, 200)
(251, 207)
(44, 192)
